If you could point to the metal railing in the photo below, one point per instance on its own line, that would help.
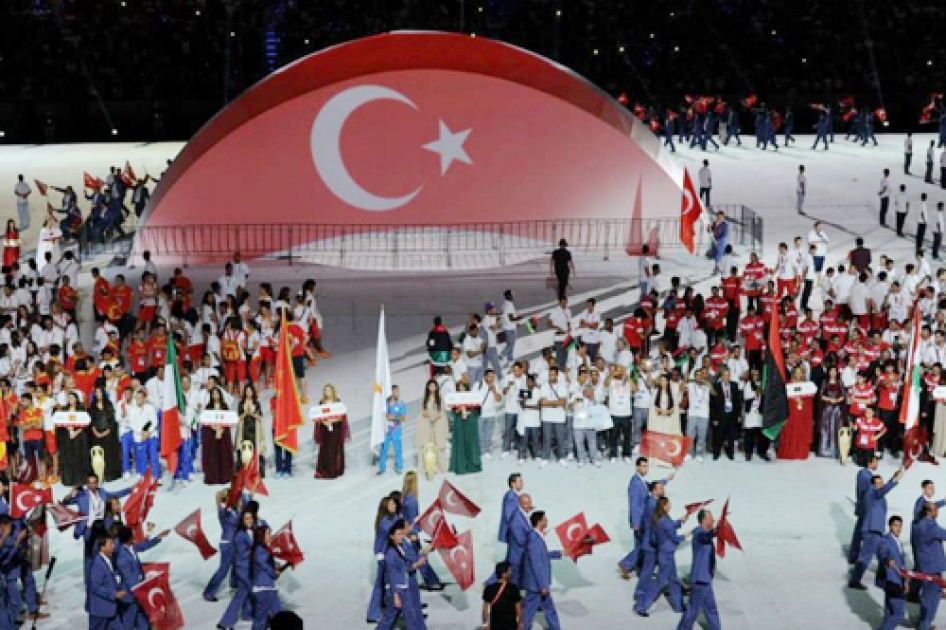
(341, 244)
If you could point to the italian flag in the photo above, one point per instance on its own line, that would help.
(173, 409)
(913, 444)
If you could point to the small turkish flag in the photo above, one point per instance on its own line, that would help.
(690, 211)
(725, 535)
(92, 182)
(572, 532)
(129, 174)
(665, 447)
(444, 537)
(253, 480)
(915, 443)
(25, 498)
(285, 547)
(63, 516)
(158, 602)
(696, 507)
(237, 486)
(459, 560)
(139, 504)
(454, 502)
(190, 529)
(41, 187)
(430, 520)
(923, 577)
(27, 472)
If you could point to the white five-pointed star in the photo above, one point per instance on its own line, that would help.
(450, 147)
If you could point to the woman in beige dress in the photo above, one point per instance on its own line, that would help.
(664, 416)
(432, 432)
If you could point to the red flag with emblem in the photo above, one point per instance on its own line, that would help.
(445, 537)
(690, 211)
(129, 174)
(430, 520)
(139, 503)
(725, 534)
(92, 182)
(24, 498)
(459, 560)
(665, 447)
(455, 502)
(285, 547)
(63, 516)
(572, 533)
(190, 529)
(158, 602)
(696, 507)
(253, 479)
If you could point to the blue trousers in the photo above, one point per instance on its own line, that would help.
(866, 556)
(929, 604)
(240, 601)
(267, 605)
(393, 438)
(104, 623)
(29, 587)
(856, 539)
(185, 461)
(534, 602)
(646, 575)
(720, 252)
(510, 348)
(128, 447)
(821, 137)
(12, 600)
(377, 595)
(895, 608)
(226, 564)
(410, 611)
(632, 560)
(666, 576)
(702, 600)
(131, 617)
(146, 453)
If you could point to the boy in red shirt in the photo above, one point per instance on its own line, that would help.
(869, 432)
(138, 356)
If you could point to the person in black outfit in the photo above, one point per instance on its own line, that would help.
(502, 601)
(562, 266)
(725, 408)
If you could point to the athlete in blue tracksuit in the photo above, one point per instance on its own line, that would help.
(667, 542)
(669, 123)
(229, 522)
(868, 128)
(128, 567)
(862, 485)
(821, 129)
(637, 491)
(242, 559)
(26, 568)
(402, 599)
(411, 513)
(732, 124)
(702, 571)
(872, 529)
(388, 514)
(928, 541)
(104, 589)
(890, 564)
(265, 575)
(787, 126)
(537, 574)
(648, 561)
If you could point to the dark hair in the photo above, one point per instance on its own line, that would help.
(502, 567)
(398, 525)
(512, 478)
(536, 517)
(894, 519)
(926, 482)
(125, 535)
(286, 620)
(641, 460)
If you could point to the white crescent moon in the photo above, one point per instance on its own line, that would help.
(688, 197)
(152, 593)
(192, 531)
(451, 498)
(453, 556)
(19, 503)
(676, 448)
(325, 144)
(568, 532)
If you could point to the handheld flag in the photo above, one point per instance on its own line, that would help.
(665, 447)
(445, 537)
(430, 520)
(173, 399)
(725, 534)
(459, 560)
(24, 498)
(190, 529)
(252, 478)
(63, 516)
(455, 502)
(158, 602)
(382, 388)
(285, 547)
(287, 416)
(690, 212)
(41, 187)
(774, 396)
(696, 507)
(914, 442)
(92, 182)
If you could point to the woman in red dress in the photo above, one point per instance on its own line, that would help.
(11, 245)
(799, 432)
(331, 435)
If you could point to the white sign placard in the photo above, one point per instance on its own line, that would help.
(806, 388)
(331, 411)
(217, 418)
(71, 419)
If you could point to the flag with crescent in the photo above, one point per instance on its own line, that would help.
(459, 560)
(252, 478)
(445, 537)
(430, 520)
(914, 441)
(690, 212)
(455, 502)
(158, 602)
(725, 534)
(190, 529)
(63, 516)
(665, 447)
(285, 547)
(287, 416)
(139, 503)
(92, 182)
(696, 507)
(24, 498)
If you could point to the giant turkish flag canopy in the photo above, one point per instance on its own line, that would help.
(417, 128)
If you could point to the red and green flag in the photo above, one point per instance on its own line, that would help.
(774, 394)
(173, 397)
(913, 440)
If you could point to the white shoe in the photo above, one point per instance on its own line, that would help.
(688, 458)
(571, 457)
(563, 462)
(579, 464)
(596, 463)
(627, 460)
(614, 460)
(543, 463)
(699, 458)
(126, 476)
(637, 450)
(487, 457)
(504, 455)
(521, 462)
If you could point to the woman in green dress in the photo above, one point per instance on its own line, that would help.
(465, 447)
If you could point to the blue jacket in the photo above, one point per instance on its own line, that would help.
(667, 538)
(82, 501)
(538, 564)
(242, 548)
(637, 492)
(229, 522)
(875, 508)
(519, 528)
(396, 571)
(928, 546)
(10, 558)
(862, 485)
(128, 566)
(101, 600)
(918, 508)
(264, 569)
(510, 507)
(411, 511)
(649, 537)
(381, 536)
(888, 550)
(704, 556)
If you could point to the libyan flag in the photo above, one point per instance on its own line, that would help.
(774, 395)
